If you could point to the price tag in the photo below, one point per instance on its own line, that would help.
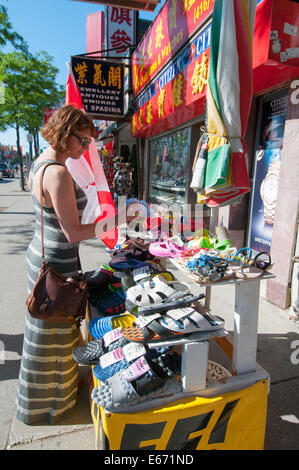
(143, 321)
(290, 29)
(137, 369)
(111, 358)
(179, 313)
(112, 336)
(132, 351)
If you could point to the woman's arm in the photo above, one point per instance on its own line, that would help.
(59, 185)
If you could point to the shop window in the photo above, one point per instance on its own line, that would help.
(169, 167)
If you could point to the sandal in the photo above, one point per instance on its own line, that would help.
(126, 254)
(131, 278)
(202, 239)
(178, 323)
(248, 272)
(128, 244)
(166, 249)
(262, 263)
(112, 305)
(170, 363)
(100, 277)
(128, 388)
(154, 292)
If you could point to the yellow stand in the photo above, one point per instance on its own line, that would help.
(225, 422)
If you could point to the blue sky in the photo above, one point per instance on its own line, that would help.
(56, 26)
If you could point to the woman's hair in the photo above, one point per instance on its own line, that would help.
(62, 124)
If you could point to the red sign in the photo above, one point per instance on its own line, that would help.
(284, 34)
(176, 22)
(177, 95)
(275, 43)
(47, 114)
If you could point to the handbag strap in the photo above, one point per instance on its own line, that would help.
(41, 214)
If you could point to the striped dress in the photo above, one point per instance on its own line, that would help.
(47, 388)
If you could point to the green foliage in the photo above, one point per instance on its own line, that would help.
(7, 34)
(30, 86)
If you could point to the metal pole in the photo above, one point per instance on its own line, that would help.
(213, 225)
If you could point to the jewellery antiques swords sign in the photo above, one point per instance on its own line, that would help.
(101, 84)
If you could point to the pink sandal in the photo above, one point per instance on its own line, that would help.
(166, 248)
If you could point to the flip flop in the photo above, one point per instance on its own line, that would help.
(90, 353)
(178, 301)
(179, 323)
(118, 392)
(98, 327)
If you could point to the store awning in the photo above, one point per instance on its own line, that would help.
(147, 5)
(109, 132)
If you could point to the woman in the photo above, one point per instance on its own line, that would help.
(48, 378)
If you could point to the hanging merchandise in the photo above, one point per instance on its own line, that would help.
(220, 174)
(108, 166)
(123, 179)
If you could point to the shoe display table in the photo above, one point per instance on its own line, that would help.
(206, 411)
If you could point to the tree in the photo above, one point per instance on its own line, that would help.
(7, 34)
(30, 86)
(43, 93)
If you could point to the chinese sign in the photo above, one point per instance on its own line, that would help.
(101, 84)
(121, 30)
(177, 94)
(176, 22)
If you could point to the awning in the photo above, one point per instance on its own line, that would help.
(147, 5)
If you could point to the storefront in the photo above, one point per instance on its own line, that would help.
(170, 69)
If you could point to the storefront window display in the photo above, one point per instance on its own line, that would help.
(169, 167)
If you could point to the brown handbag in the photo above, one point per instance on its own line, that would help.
(54, 297)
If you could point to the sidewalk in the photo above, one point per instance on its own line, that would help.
(276, 337)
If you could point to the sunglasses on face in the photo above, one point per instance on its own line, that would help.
(83, 140)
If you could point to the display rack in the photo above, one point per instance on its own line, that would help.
(229, 400)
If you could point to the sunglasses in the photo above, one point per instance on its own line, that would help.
(83, 141)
